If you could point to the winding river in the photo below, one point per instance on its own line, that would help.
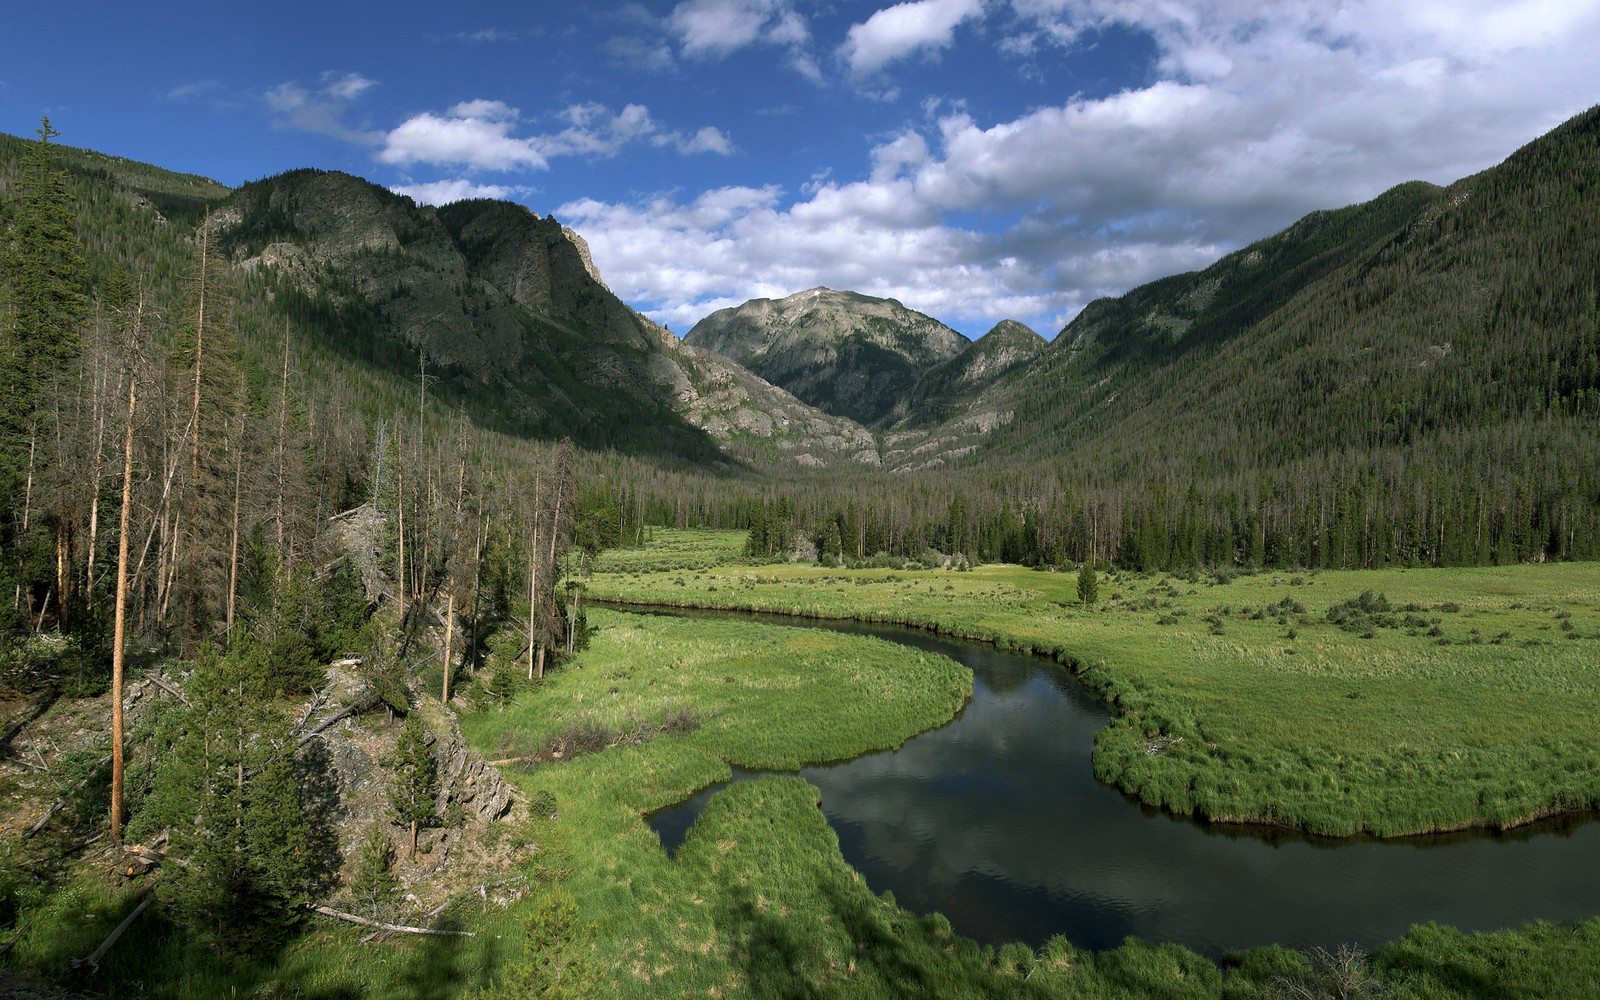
(996, 821)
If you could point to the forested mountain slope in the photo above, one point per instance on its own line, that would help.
(1372, 379)
(1414, 379)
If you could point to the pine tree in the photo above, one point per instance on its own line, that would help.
(226, 790)
(374, 883)
(1088, 584)
(416, 779)
(44, 298)
(555, 961)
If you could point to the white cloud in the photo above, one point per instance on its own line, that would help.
(718, 27)
(706, 140)
(713, 29)
(904, 29)
(481, 142)
(480, 135)
(1254, 116)
(347, 87)
(445, 192)
(324, 109)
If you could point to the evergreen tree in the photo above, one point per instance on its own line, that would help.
(416, 779)
(374, 883)
(45, 306)
(555, 964)
(1088, 584)
(226, 790)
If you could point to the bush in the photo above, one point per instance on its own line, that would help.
(682, 720)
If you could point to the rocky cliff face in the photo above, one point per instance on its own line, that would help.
(848, 354)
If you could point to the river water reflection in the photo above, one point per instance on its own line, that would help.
(996, 821)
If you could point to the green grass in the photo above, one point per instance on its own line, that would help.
(1470, 702)
(759, 902)
(673, 548)
(767, 698)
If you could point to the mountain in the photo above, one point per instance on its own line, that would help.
(1426, 310)
(505, 315)
(1429, 357)
(952, 386)
(848, 354)
(1415, 378)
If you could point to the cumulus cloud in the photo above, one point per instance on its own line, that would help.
(323, 109)
(476, 134)
(458, 189)
(903, 30)
(481, 135)
(713, 29)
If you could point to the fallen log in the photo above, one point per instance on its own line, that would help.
(343, 713)
(506, 761)
(171, 689)
(311, 709)
(351, 918)
(16, 937)
(92, 963)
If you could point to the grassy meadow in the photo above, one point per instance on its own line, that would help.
(758, 901)
(1389, 702)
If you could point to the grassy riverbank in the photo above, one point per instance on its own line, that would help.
(759, 902)
(1442, 699)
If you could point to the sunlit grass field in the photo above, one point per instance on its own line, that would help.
(758, 901)
(1444, 699)
(670, 548)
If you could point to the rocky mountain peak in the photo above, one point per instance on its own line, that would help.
(846, 353)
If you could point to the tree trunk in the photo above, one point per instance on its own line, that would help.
(449, 634)
(233, 545)
(400, 533)
(283, 427)
(533, 584)
(119, 627)
(555, 531)
(94, 496)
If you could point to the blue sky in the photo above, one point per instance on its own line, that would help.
(977, 159)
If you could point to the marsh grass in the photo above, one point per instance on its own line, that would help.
(1389, 702)
(676, 549)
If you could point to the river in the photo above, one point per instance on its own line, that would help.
(996, 820)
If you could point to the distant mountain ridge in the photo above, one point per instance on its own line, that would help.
(845, 353)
